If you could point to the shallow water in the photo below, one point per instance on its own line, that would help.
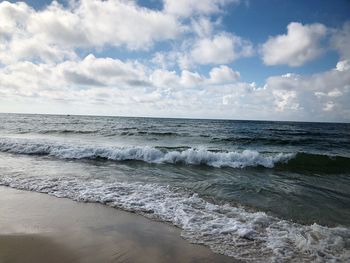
(243, 188)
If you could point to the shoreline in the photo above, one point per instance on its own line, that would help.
(36, 227)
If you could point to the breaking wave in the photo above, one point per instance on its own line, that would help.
(246, 158)
(184, 155)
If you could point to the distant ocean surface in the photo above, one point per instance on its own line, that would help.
(258, 191)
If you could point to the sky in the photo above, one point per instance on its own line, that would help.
(227, 59)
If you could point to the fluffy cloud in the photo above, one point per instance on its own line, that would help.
(92, 71)
(299, 45)
(194, 7)
(124, 22)
(220, 49)
(190, 79)
(343, 65)
(105, 83)
(17, 43)
(341, 39)
(223, 74)
(318, 96)
(33, 49)
(204, 46)
(28, 79)
(164, 78)
(53, 33)
(56, 25)
(170, 79)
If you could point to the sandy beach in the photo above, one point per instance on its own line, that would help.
(40, 228)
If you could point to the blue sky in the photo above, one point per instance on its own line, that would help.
(236, 59)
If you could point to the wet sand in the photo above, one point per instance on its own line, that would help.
(40, 228)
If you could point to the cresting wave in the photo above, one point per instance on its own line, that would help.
(247, 158)
(233, 231)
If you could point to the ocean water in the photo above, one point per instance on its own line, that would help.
(255, 191)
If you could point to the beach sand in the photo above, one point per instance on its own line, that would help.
(40, 228)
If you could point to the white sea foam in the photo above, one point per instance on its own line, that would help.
(147, 154)
(233, 231)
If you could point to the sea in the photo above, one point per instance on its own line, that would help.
(257, 191)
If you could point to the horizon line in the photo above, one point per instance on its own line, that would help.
(178, 118)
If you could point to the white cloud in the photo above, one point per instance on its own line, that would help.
(58, 26)
(310, 96)
(223, 74)
(92, 71)
(202, 26)
(343, 65)
(194, 7)
(52, 34)
(190, 79)
(63, 80)
(170, 79)
(123, 22)
(221, 49)
(300, 45)
(285, 100)
(111, 85)
(164, 78)
(26, 79)
(33, 49)
(203, 48)
(16, 43)
(319, 97)
(55, 33)
(12, 18)
(329, 106)
(341, 41)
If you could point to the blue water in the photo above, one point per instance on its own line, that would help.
(248, 189)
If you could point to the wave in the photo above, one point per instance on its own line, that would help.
(120, 131)
(233, 231)
(161, 133)
(183, 155)
(297, 132)
(142, 133)
(147, 154)
(66, 131)
(53, 131)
